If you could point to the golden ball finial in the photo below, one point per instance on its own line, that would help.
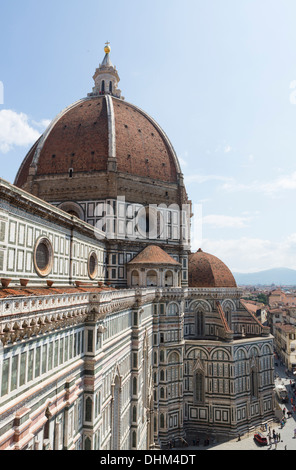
(107, 48)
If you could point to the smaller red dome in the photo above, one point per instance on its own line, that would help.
(206, 270)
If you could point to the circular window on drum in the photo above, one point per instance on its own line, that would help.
(92, 265)
(43, 257)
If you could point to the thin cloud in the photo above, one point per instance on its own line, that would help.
(284, 183)
(226, 221)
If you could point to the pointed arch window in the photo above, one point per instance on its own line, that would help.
(134, 439)
(254, 382)
(88, 409)
(116, 415)
(134, 414)
(87, 444)
(135, 386)
(200, 324)
(199, 386)
(254, 379)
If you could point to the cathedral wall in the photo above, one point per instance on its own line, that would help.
(82, 386)
(111, 369)
(228, 389)
(25, 224)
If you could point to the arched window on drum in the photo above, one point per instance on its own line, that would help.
(135, 278)
(173, 309)
(169, 279)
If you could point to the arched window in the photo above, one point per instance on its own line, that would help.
(87, 444)
(110, 87)
(134, 439)
(135, 278)
(199, 386)
(199, 324)
(116, 415)
(254, 382)
(103, 86)
(88, 409)
(173, 375)
(135, 386)
(134, 414)
(161, 424)
(173, 309)
(169, 279)
(72, 208)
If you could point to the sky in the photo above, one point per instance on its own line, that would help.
(219, 76)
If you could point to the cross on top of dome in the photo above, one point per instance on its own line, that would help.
(107, 48)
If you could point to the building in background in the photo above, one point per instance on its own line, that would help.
(114, 335)
(285, 344)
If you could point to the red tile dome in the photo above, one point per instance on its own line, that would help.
(86, 135)
(206, 270)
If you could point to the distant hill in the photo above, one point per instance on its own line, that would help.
(277, 276)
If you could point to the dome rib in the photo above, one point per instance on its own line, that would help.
(111, 127)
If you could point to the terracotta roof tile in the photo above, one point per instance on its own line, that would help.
(43, 291)
(153, 254)
(79, 139)
(206, 270)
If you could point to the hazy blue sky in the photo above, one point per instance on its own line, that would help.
(218, 75)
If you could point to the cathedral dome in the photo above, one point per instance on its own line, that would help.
(206, 270)
(96, 136)
(84, 137)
